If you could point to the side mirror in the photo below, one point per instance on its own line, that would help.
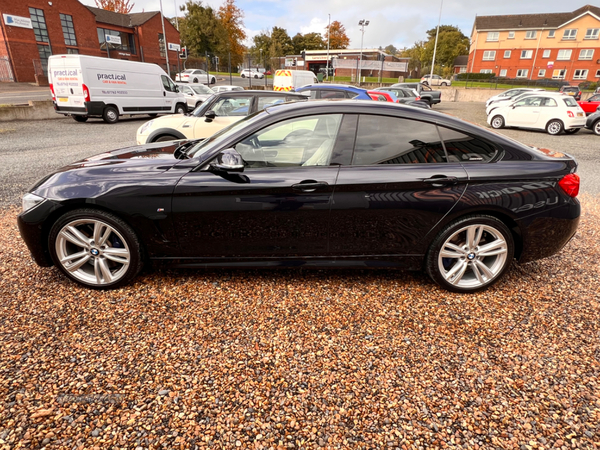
(210, 115)
(228, 160)
(176, 88)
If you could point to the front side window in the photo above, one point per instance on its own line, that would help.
(570, 34)
(489, 55)
(586, 54)
(68, 29)
(325, 93)
(161, 45)
(232, 106)
(168, 84)
(392, 140)
(531, 34)
(549, 102)
(592, 33)
(298, 142)
(522, 73)
(546, 54)
(507, 53)
(493, 35)
(38, 20)
(526, 54)
(529, 102)
(580, 74)
(564, 55)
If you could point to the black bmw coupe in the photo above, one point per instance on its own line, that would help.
(323, 184)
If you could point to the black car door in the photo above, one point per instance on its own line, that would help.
(398, 186)
(277, 207)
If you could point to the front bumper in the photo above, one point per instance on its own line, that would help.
(34, 232)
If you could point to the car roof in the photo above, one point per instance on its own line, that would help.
(334, 86)
(255, 93)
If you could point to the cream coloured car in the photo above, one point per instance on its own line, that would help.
(217, 112)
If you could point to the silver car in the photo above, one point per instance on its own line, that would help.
(195, 94)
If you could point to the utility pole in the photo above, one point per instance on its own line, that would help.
(162, 22)
(328, 37)
(437, 32)
(363, 23)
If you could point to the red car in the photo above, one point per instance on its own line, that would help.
(382, 96)
(591, 104)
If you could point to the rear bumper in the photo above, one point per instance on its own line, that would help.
(90, 109)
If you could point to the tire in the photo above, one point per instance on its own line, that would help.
(596, 127)
(110, 114)
(109, 260)
(554, 127)
(572, 130)
(255, 76)
(426, 83)
(195, 80)
(444, 84)
(213, 80)
(243, 76)
(180, 109)
(80, 119)
(497, 122)
(153, 115)
(458, 267)
(165, 138)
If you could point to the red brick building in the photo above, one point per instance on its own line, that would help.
(30, 32)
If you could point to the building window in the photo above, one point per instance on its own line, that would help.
(564, 55)
(493, 36)
(45, 52)
(72, 51)
(507, 53)
(570, 34)
(542, 73)
(161, 45)
(463, 70)
(39, 25)
(502, 72)
(511, 34)
(592, 33)
(489, 55)
(546, 54)
(531, 34)
(68, 29)
(580, 74)
(598, 73)
(551, 33)
(586, 54)
(485, 71)
(127, 42)
(522, 73)
(559, 74)
(526, 54)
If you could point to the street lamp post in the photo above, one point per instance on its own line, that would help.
(363, 23)
(328, 36)
(437, 31)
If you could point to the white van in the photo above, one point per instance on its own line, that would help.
(88, 86)
(288, 80)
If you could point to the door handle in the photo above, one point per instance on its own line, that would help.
(440, 180)
(164, 94)
(309, 186)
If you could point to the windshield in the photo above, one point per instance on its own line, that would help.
(216, 139)
(201, 89)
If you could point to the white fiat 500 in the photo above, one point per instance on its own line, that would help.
(553, 113)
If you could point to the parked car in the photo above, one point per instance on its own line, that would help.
(329, 91)
(88, 86)
(573, 91)
(510, 94)
(251, 73)
(553, 113)
(217, 112)
(404, 95)
(195, 94)
(511, 101)
(590, 105)
(435, 80)
(383, 96)
(593, 122)
(195, 76)
(311, 184)
(427, 94)
(224, 88)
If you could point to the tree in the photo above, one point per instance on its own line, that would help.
(391, 50)
(281, 43)
(451, 43)
(201, 31)
(120, 6)
(308, 41)
(262, 48)
(231, 20)
(338, 38)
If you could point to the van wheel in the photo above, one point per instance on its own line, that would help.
(180, 109)
(110, 114)
(81, 118)
(165, 138)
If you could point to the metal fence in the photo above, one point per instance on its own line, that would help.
(6, 73)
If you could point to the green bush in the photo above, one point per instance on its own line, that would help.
(475, 76)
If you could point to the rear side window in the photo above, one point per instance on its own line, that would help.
(464, 148)
(570, 102)
(332, 94)
(392, 140)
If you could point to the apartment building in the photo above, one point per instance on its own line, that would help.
(559, 46)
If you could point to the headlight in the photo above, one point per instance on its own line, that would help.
(145, 127)
(31, 200)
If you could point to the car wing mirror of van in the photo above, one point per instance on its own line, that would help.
(210, 115)
(228, 160)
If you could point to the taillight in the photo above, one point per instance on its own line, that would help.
(418, 98)
(86, 93)
(52, 90)
(570, 184)
(570, 114)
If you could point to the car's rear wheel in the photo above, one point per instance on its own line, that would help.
(470, 254)
(165, 138)
(180, 109)
(195, 80)
(255, 76)
(213, 80)
(153, 115)
(81, 119)
(572, 130)
(95, 248)
(554, 127)
(444, 84)
(497, 122)
(596, 127)
(110, 114)
(243, 76)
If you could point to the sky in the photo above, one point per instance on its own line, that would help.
(397, 22)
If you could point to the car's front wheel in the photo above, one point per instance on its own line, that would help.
(554, 127)
(195, 80)
(165, 138)
(596, 127)
(470, 254)
(95, 248)
(243, 76)
(444, 84)
(497, 122)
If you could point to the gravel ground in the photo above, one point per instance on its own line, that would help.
(288, 359)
